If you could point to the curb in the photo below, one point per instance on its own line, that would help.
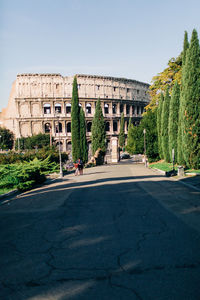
(8, 194)
(179, 179)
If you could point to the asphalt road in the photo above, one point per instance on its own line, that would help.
(117, 232)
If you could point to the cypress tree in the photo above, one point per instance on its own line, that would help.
(83, 140)
(191, 104)
(180, 158)
(75, 122)
(159, 122)
(98, 130)
(185, 47)
(164, 128)
(121, 133)
(130, 139)
(173, 120)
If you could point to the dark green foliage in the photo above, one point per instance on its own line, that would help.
(149, 122)
(136, 136)
(130, 146)
(98, 130)
(24, 176)
(13, 157)
(6, 139)
(75, 122)
(190, 101)
(164, 127)
(185, 47)
(180, 158)
(173, 120)
(121, 133)
(83, 140)
(36, 141)
(159, 122)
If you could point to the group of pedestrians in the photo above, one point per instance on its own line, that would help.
(79, 167)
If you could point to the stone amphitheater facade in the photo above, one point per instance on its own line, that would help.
(42, 103)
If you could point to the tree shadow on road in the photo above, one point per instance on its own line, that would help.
(110, 238)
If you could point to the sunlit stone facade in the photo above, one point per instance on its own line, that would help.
(42, 103)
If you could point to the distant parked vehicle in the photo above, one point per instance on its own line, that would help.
(124, 156)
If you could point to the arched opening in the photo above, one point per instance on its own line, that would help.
(61, 145)
(69, 146)
(106, 108)
(138, 110)
(107, 126)
(127, 109)
(69, 127)
(88, 108)
(115, 126)
(47, 128)
(58, 127)
(133, 110)
(47, 108)
(58, 108)
(114, 108)
(68, 108)
(89, 126)
(121, 108)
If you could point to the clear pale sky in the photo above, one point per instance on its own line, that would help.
(121, 38)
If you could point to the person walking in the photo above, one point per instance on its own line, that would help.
(80, 166)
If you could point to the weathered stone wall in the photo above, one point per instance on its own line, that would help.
(35, 98)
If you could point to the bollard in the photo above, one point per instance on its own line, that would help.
(181, 171)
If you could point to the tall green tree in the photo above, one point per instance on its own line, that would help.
(98, 130)
(173, 120)
(159, 122)
(130, 146)
(180, 158)
(121, 133)
(6, 139)
(83, 140)
(75, 122)
(149, 122)
(191, 104)
(164, 126)
(185, 47)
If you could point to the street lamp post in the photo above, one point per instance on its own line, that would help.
(145, 161)
(60, 158)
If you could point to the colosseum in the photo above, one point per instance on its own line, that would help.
(42, 103)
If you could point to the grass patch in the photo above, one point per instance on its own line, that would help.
(192, 171)
(164, 166)
(4, 191)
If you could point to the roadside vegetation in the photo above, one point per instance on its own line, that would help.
(172, 119)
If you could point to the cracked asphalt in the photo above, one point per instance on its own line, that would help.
(117, 232)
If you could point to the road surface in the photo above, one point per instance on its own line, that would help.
(117, 232)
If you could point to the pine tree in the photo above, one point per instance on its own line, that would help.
(173, 120)
(191, 104)
(159, 121)
(83, 140)
(164, 128)
(98, 130)
(121, 133)
(75, 122)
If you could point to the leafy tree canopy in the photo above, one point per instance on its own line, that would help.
(6, 139)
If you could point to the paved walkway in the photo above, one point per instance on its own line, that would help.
(118, 232)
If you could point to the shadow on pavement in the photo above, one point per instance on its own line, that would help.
(123, 239)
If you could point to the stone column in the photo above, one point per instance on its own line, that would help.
(115, 149)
